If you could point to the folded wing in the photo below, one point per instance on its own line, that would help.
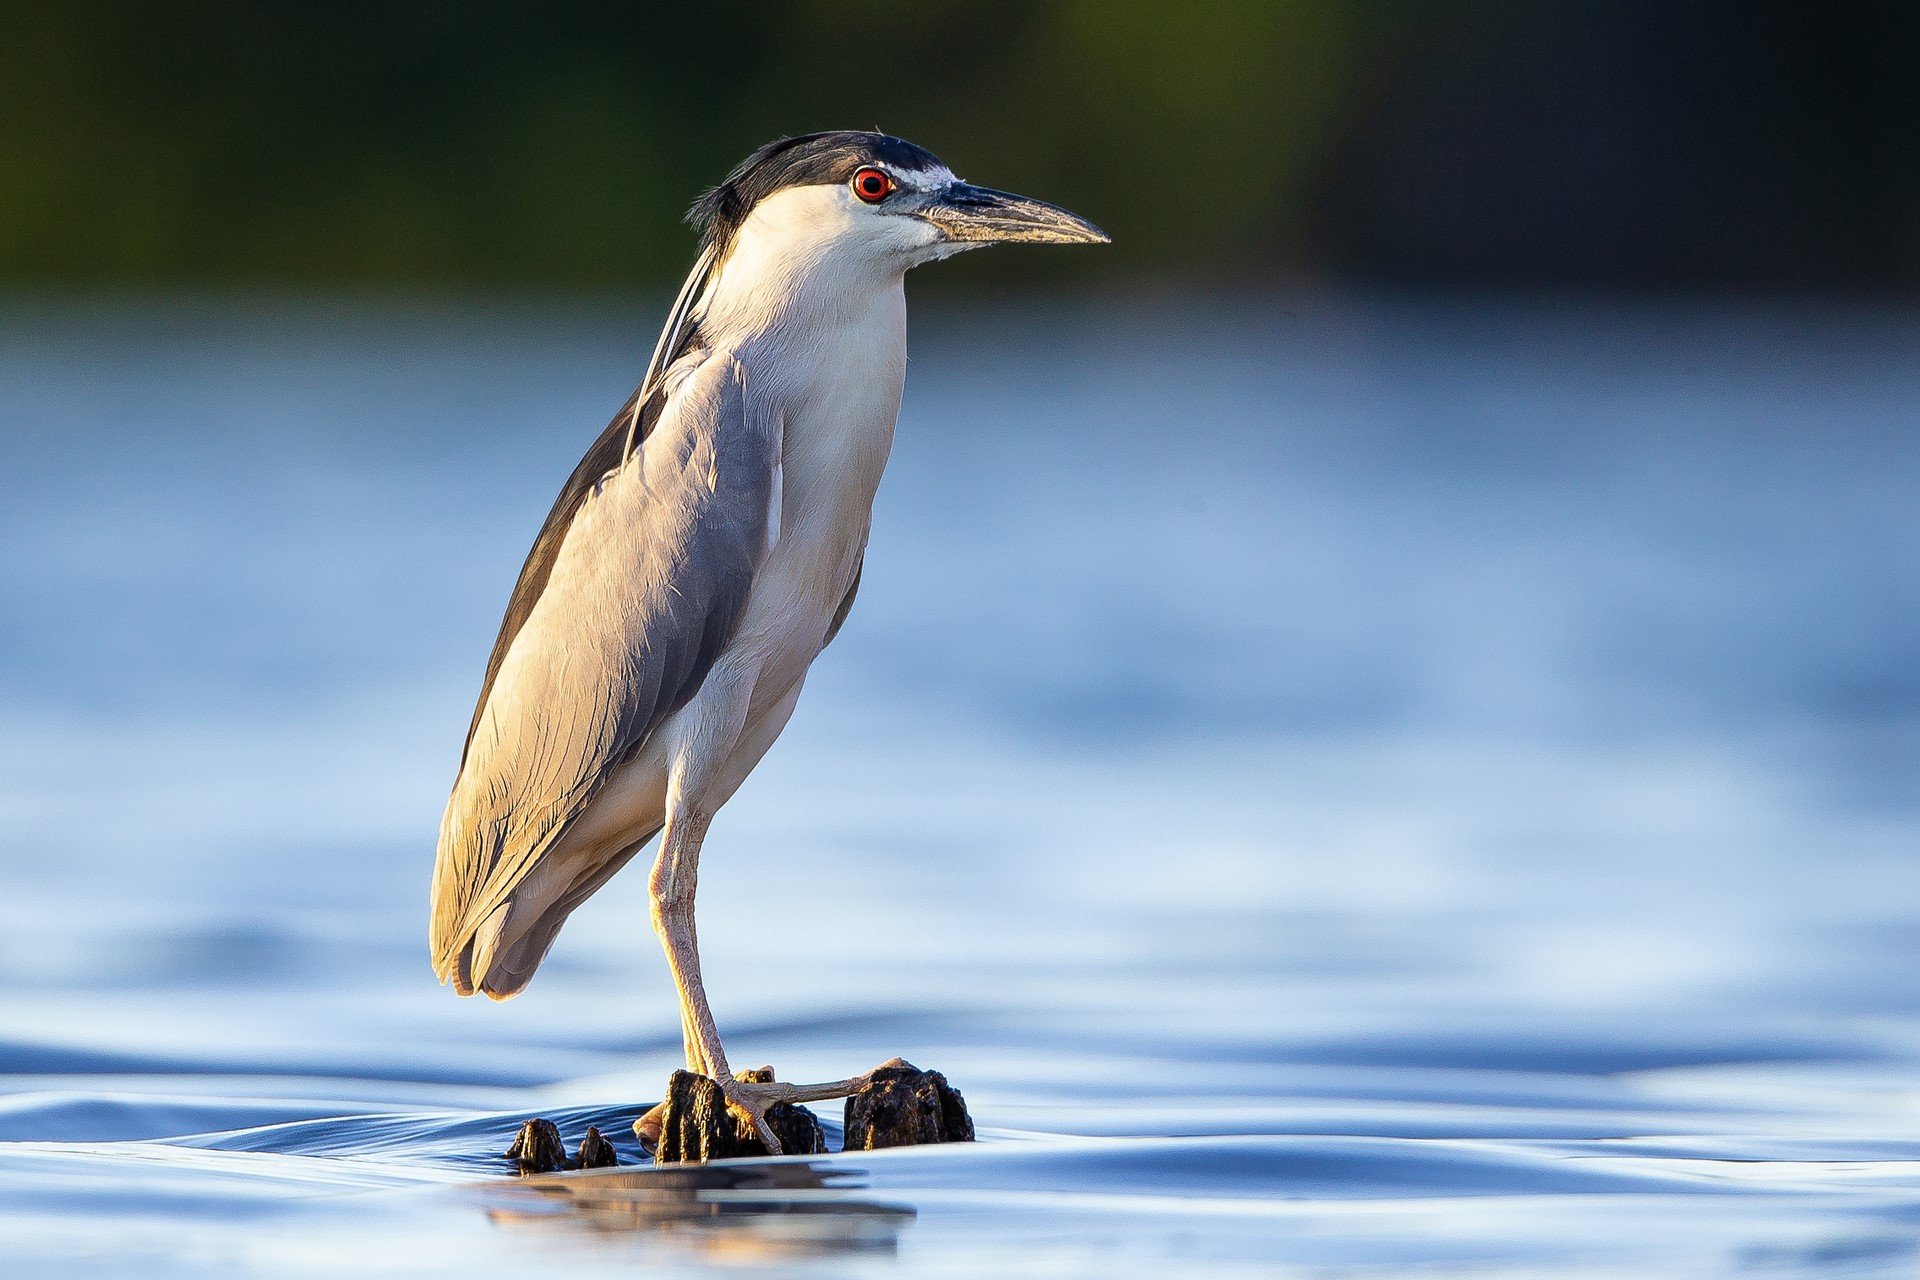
(643, 586)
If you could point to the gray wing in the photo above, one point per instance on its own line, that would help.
(629, 427)
(641, 596)
(603, 457)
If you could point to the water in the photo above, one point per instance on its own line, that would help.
(1363, 788)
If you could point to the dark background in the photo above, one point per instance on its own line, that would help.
(1582, 144)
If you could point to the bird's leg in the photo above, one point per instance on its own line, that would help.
(676, 878)
(696, 1061)
(689, 1034)
(676, 874)
(689, 1031)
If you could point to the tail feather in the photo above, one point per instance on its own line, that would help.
(497, 958)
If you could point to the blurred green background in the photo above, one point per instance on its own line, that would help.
(432, 143)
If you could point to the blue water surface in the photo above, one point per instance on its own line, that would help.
(1346, 787)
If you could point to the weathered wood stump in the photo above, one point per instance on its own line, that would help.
(695, 1123)
(896, 1105)
(903, 1106)
(595, 1151)
(537, 1148)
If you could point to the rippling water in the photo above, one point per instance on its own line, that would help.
(1361, 788)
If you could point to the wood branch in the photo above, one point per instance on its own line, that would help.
(696, 1124)
(903, 1106)
(595, 1151)
(537, 1148)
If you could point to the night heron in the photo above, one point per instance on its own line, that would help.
(700, 557)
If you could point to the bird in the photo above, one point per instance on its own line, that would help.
(698, 559)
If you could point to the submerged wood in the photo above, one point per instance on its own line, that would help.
(537, 1148)
(903, 1106)
(595, 1151)
(896, 1105)
(695, 1124)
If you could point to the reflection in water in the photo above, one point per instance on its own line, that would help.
(742, 1211)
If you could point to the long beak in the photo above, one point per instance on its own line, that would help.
(981, 215)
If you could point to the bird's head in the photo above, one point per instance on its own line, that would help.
(870, 197)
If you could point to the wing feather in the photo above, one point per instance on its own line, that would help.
(628, 429)
(642, 590)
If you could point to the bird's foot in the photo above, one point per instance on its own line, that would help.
(754, 1090)
(751, 1094)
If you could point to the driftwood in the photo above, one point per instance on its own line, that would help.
(537, 1149)
(903, 1106)
(595, 1151)
(695, 1123)
(894, 1105)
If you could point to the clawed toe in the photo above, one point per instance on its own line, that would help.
(752, 1095)
(650, 1126)
(754, 1091)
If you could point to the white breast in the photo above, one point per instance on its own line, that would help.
(838, 390)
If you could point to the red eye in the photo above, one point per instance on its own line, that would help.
(872, 185)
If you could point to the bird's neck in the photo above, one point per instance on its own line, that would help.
(822, 333)
(767, 295)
